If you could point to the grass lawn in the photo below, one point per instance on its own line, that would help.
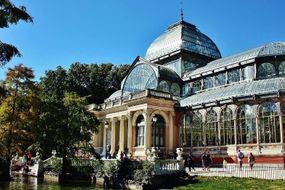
(226, 183)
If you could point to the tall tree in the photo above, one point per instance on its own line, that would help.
(10, 14)
(64, 121)
(18, 111)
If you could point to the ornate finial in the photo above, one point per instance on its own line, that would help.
(181, 11)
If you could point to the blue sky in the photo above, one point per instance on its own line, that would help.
(116, 31)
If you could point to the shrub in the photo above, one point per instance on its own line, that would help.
(144, 173)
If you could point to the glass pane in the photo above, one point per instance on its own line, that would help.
(208, 82)
(196, 86)
(266, 70)
(197, 130)
(163, 86)
(246, 129)
(269, 123)
(140, 78)
(227, 127)
(211, 129)
(233, 76)
(220, 79)
(175, 89)
(282, 69)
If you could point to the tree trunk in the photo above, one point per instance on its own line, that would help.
(64, 166)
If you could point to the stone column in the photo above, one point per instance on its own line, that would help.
(130, 136)
(219, 132)
(235, 132)
(113, 136)
(281, 129)
(122, 135)
(148, 128)
(257, 133)
(171, 114)
(104, 140)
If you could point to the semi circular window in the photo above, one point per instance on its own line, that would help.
(141, 77)
(282, 69)
(163, 86)
(175, 89)
(266, 70)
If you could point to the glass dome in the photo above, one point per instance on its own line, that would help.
(140, 78)
(182, 35)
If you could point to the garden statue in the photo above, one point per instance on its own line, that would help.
(179, 152)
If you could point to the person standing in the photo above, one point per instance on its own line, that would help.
(209, 161)
(240, 156)
(204, 160)
(225, 163)
(251, 160)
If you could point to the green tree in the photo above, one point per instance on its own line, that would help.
(10, 14)
(64, 121)
(18, 112)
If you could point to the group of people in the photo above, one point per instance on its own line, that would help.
(240, 157)
(207, 161)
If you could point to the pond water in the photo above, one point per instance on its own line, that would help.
(32, 183)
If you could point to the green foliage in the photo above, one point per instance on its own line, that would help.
(201, 183)
(128, 171)
(144, 173)
(55, 165)
(10, 14)
(111, 168)
(65, 93)
(18, 111)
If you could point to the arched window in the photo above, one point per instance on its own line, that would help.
(197, 130)
(282, 68)
(185, 134)
(141, 77)
(140, 127)
(163, 86)
(175, 89)
(266, 70)
(211, 129)
(233, 76)
(158, 131)
(227, 127)
(246, 129)
(269, 123)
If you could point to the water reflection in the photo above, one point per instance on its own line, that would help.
(32, 183)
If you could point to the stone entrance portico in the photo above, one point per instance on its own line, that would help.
(121, 119)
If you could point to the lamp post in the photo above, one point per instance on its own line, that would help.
(106, 125)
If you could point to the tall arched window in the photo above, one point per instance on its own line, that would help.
(175, 89)
(281, 68)
(211, 129)
(163, 86)
(197, 130)
(246, 129)
(266, 70)
(158, 131)
(185, 134)
(269, 123)
(140, 127)
(227, 127)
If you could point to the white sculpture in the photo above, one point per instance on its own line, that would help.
(179, 152)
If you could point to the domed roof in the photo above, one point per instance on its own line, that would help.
(182, 35)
